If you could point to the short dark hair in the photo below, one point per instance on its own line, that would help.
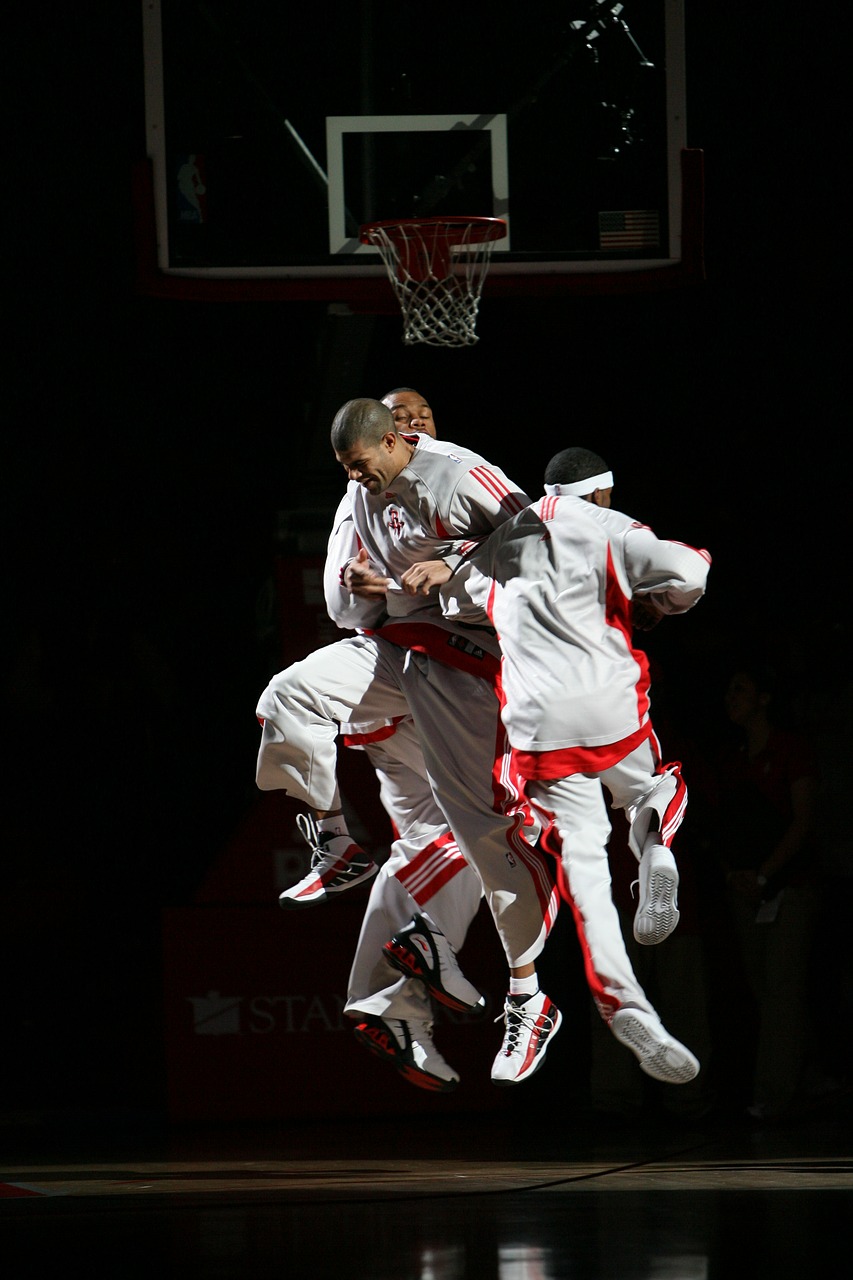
(395, 390)
(570, 465)
(362, 421)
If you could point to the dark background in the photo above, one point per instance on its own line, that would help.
(158, 455)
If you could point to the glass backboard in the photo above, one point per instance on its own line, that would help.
(274, 132)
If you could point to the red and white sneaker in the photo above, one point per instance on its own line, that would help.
(422, 952)
(408, 1047)
(337, 864)
(531, 1024)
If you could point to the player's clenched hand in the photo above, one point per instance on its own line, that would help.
(362, 580)
(418, 579)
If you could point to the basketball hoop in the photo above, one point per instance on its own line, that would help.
(437, 267)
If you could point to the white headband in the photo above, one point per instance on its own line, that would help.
(580, 488)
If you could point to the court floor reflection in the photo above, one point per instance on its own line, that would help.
(522, 1197)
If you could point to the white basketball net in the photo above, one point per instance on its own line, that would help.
(438, 277)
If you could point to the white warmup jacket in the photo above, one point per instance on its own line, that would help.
(557, 583)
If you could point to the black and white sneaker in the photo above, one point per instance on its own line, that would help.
(420, 951)
(337, 864)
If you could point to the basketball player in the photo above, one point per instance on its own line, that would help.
(409, 502)
(425, 895)
(558, 582)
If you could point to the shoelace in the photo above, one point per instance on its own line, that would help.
(307, 824)
(317, 839)
(517, 1016)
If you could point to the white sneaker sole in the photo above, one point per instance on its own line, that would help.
(657, 915)
(659, 1056)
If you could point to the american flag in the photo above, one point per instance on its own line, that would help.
(628, 228)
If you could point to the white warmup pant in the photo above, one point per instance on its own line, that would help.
(578, 808)
(425, 872)
(641, 785)
(364, 680)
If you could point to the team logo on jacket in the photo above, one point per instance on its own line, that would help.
(395, 523)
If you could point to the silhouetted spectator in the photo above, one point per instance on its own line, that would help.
(766, 846)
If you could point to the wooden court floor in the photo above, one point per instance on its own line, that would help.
(532, 1195)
